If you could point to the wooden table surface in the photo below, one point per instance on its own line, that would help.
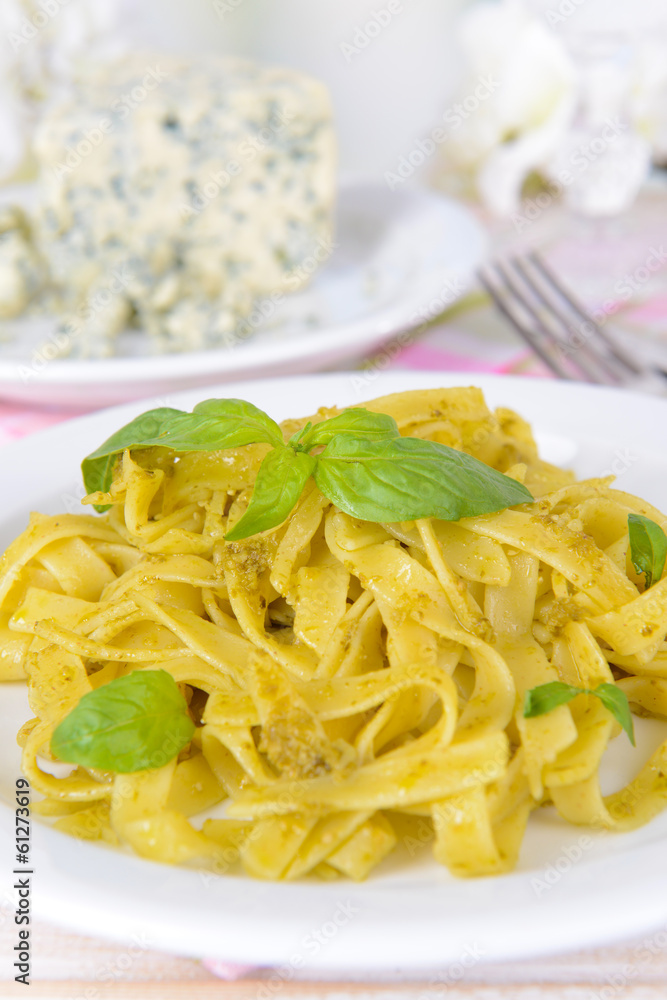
(72, 967)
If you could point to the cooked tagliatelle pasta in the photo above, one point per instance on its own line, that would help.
(350, 682)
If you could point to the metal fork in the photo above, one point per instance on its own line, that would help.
(569, 341)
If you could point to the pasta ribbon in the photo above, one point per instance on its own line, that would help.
(355, 688)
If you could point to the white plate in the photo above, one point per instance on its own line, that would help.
(573, 887)
(396, 255)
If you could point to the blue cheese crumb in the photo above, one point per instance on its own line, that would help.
(179, 194)
(20, 268)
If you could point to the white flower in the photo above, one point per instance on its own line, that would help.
(520, 127)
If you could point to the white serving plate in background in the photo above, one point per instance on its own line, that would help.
(398, 254)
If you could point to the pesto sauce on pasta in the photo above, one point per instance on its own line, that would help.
(349, 681)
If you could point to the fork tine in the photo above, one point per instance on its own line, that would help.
(546, 333)
(550, 325)
(615, 350)
(592, 356)
(488, 276)
(542, 311)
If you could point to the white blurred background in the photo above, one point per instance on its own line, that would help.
(393, 66)
(396, 69)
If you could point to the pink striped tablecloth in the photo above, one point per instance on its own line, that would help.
(476, 342)
(444, 349)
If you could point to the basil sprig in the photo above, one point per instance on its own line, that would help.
(133, 723)
(366, 468)
(648, 547)
(544, 698)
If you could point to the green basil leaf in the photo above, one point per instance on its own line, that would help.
(214, 424)
(97, 468)
(279, 484)
(545, 697)
(255, 421)
(648, 547)
(616, 701)
(405, 478)
(133, 723)
(296, 439)
(357, 422)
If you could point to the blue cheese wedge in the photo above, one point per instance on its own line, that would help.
(179, 196)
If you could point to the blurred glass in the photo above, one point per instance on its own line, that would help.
(604, 160)
(606, 155)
